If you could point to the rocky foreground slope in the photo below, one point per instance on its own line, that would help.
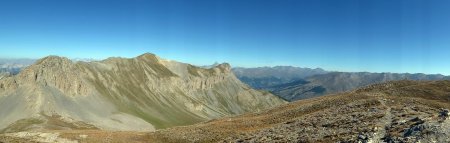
(400, 111)
(138, 94)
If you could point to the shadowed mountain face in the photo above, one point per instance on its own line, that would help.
(143, 93)
(267, 77)
(335, 82)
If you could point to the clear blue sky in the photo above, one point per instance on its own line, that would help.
(346, 35)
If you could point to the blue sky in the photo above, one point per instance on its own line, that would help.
(346, 35)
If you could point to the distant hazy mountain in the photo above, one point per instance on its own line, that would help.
(266, 77)
(334, 82)
(142, 93)
(13, 66)
(294, 83)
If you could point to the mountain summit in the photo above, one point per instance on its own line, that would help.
(140, 94)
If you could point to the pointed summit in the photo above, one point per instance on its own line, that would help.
(225, 67)
(147, 56)
(53, 60)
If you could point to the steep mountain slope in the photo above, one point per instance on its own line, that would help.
(335, 82)
(143, 93)
(266, 77)
(397, 111)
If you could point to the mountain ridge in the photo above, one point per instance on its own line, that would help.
(334, 82)
(141, 93)
(291, 83)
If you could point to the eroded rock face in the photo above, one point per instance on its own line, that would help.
(147, 91)
(52, 71)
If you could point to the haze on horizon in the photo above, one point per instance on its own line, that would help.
(348, 35)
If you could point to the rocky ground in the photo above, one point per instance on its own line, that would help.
(402, 111)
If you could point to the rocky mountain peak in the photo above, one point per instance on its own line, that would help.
(54, 72)
(225, 67)
(148, 57)
(53, 61)
(51, 65)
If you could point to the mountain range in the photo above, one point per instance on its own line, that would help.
(291, 84)
(127, 94)
(288, 82)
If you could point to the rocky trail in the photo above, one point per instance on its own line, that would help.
(385, 122)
